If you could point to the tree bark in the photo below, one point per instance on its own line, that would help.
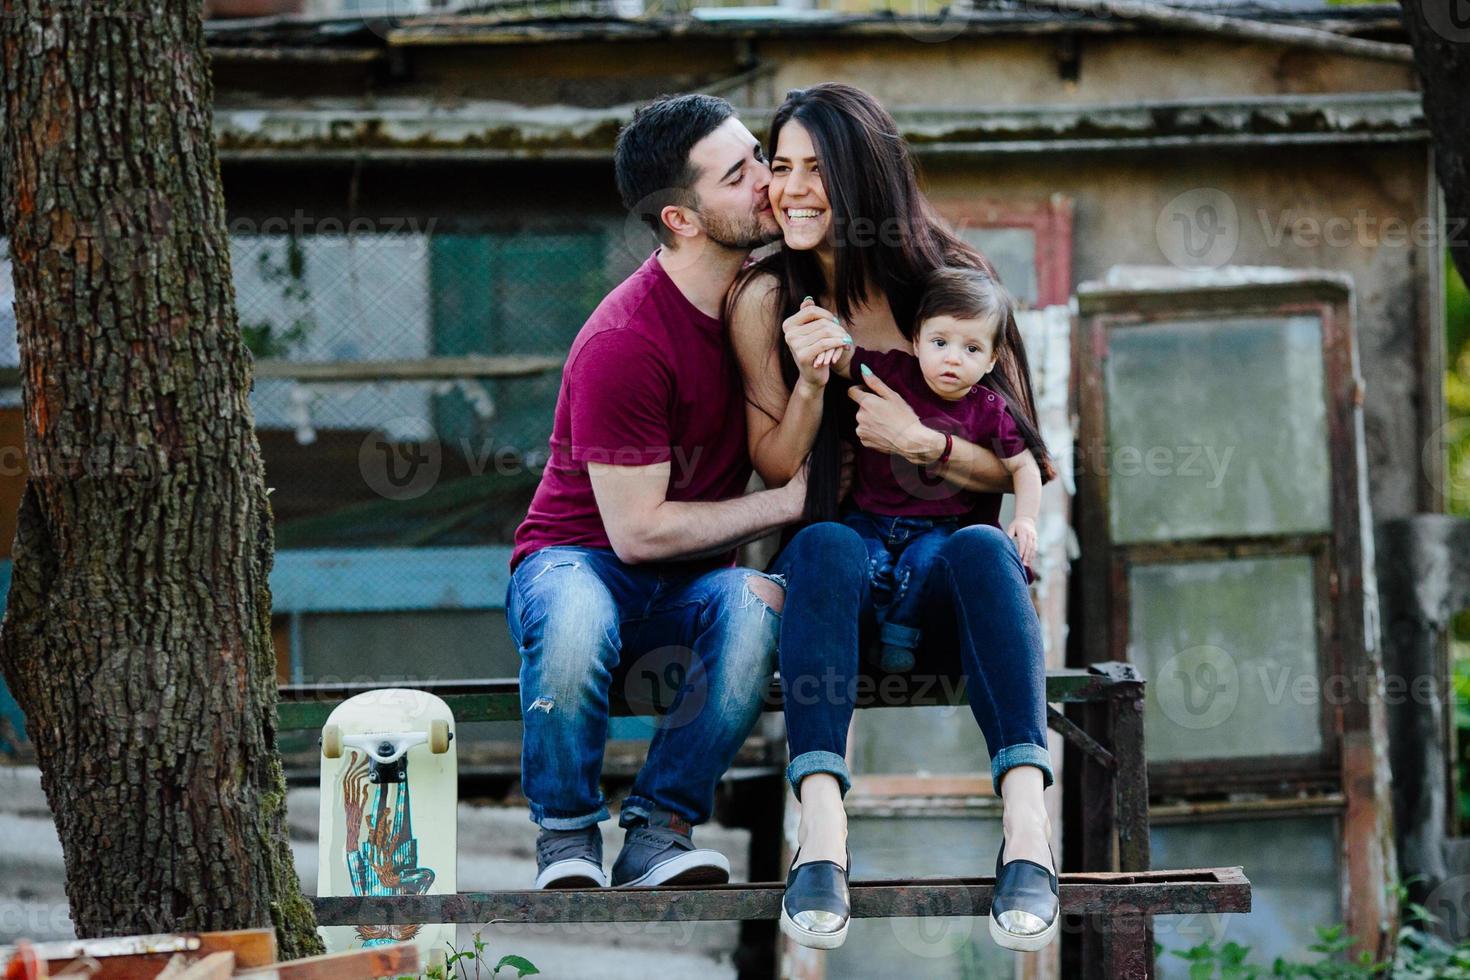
(1440, 33)
(137, 636)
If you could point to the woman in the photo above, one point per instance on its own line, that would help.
(859, 238)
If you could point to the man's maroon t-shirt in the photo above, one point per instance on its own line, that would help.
(891, 485)
(649, 379)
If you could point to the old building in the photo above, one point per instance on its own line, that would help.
(408, 192)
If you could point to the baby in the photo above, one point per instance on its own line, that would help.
(904, 512)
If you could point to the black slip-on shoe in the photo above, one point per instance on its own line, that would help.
(662, 852)
(570, 859)
(1025, 911)
(815, 908)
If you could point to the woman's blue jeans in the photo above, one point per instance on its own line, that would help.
(703, 644)
(978, 620)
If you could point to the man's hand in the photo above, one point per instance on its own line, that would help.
(885, 422)
(1023, 532)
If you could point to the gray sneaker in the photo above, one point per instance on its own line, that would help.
(570, 859)
(662, 852)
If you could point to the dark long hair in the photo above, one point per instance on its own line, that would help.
(887, 239)
(972, 294)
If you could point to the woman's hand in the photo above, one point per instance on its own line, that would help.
(810, 333)
(886, 423)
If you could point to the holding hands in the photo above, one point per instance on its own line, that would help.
(817, 342)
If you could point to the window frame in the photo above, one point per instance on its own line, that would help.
(1337, 553)
(1050, 220)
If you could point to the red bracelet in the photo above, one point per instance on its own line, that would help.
(948, 448)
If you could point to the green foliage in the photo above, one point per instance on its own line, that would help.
(459, 963)
(1419, 955)
(262, 339)
(1460, 681)
(1457, 310)
(267, 339)
(1457, 391)
(1228, 961)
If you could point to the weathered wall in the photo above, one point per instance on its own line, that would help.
(995, 68)
(1363, 209)
(1108, 68)
(1357, 209)
(1372, 197)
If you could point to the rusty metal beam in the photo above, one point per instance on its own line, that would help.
(1129, 952)
(1120, 894)
(1074, 735)
(304, 706)
(539, 22)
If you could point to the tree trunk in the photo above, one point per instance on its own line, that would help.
(1440, 33)
(137, 637)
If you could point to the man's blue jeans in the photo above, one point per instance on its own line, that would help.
(901, 550)
(978, 620)
(702, 645)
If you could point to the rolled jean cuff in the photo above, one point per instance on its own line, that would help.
(643, 808)
(538, 816)
(1025, 754)
(809, 762)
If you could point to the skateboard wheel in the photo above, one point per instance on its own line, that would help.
(439, 736)
(332, 742)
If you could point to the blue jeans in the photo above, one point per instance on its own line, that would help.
(701, 646)
(901, 550)
(978, 620)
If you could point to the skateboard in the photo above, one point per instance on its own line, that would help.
(389, 791)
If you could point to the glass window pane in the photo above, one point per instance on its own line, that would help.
(1216, 428)
(1292, 864)
(1013, 253)
(360, 297)
(1229, 650)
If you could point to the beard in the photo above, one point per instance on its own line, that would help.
(736, 233)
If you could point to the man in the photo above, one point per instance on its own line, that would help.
(626, 551)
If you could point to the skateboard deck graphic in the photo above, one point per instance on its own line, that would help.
(389, 791)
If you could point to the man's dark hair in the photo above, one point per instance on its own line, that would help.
(652, 155)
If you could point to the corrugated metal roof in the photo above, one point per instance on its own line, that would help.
(609, 18)
(420, 129)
